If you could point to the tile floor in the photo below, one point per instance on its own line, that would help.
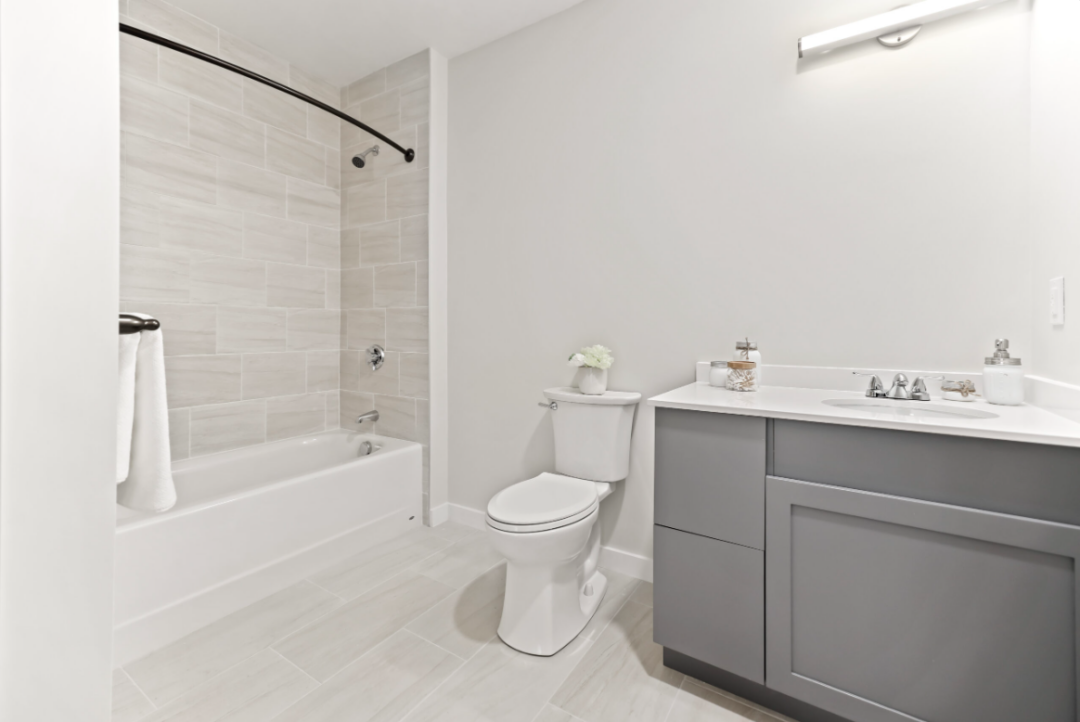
(406, 631)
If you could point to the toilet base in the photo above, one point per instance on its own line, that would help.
(553, 586)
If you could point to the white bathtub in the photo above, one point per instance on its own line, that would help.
(252, 521)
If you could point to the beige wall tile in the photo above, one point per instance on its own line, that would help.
(227, 134)
(186, 329)
(356, 374)
(250, 330)
(169, 169)
(323, 371)
(180, 433)
(380, 243)
(316, 88)
(295, 286)
(275, 108)
(352, 405)
(198, 380)
(333, 410)
(333, 289)
(233, 281)
(246, 188)
(365, 327)
(357, 288)
(407, 195)
(383, 112)
(200, 227)
(295, 156)
(415, 102)
(295, 416)
(314, 330)
(414, 375)
(367, 87)
(414, 238)
(199, 80)
(395, 285)
(274, 239)
(138, 58)
(172, 21)
(397, 417)
(273, 374)
(314, 204)
(154, 274)
(366, 203)
(350, 248)
(147, 109)
(323, 247)
(406, 329)
(422, 284)
(140, 221)
(323, 127)
(408, 70)
(227, 426)
(332, 160)
(248, 55)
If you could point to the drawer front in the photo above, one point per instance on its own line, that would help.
(709, 601)
(1029, 480)
(710, 475)
(883, 609)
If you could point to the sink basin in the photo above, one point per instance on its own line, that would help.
(908, 409)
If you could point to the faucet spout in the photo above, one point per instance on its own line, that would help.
(371, 416)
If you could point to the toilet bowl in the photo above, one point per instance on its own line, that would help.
(548, 527)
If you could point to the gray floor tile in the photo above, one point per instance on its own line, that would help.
(459, 564)
(696, 703)
(371, 567)
(467, 619)
(129, 704)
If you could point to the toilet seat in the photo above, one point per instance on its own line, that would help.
(545, 502)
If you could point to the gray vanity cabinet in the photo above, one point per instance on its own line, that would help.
(881, 608)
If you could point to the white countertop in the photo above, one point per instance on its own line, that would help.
(1025, 423)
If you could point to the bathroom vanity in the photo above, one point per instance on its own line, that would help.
(872, 565)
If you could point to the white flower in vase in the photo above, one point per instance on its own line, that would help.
(594, 362)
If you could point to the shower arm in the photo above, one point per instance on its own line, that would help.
(409, 153)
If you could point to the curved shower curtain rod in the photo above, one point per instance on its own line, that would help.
(409, 153)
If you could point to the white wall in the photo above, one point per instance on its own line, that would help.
(666, 178)
(1055, 183)
(59, 200)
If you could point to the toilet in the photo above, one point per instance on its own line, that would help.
(548, 527)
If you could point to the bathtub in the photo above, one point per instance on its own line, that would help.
(250, 522)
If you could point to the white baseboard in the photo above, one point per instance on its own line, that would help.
(617, 560)
(440, 514)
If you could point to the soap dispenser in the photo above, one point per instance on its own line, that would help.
(1003, 377)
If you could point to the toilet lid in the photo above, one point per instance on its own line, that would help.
(543, 499)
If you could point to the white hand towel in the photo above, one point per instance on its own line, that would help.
(149, 486)
(125, 405)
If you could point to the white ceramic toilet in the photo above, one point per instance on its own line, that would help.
(548, 527)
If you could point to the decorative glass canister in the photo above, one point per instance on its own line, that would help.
(742, 376)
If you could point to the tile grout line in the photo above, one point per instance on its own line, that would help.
(432, 643)
(298, 668)
(138, 688)
(316, 584)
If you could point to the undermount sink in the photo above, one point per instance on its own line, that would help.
(908, 409)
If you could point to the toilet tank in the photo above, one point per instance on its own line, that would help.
(592, 433)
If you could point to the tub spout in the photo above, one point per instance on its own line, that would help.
(371, 416)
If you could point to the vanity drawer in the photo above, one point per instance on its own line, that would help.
(710, 475)
(1009, 477)
(709, 601)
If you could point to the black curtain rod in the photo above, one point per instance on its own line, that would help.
(409, 153)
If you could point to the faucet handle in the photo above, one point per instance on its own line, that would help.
(918, 389)
(876, 390)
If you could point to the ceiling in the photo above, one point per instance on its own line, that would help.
(343, 40)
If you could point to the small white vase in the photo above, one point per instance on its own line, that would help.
(593, 381)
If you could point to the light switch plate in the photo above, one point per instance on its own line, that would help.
(1057, 301)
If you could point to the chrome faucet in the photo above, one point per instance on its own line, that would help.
(371, 416)
(899, 390)
(875, 390)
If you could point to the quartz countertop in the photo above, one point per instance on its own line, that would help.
(1027, 423)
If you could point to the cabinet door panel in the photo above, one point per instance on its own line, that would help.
(709, 601)
(710, 475)
(882, 608)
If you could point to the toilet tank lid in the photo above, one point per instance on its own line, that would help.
(570, 395)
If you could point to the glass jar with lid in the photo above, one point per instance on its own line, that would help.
(742, 376)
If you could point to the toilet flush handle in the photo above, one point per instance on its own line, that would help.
(553, 406)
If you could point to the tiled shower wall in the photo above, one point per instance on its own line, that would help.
(230, 234)
(384, 253)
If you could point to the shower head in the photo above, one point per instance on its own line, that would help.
(359, 160)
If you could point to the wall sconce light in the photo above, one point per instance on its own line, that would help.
(892, 29)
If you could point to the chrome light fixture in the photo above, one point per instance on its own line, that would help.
(893, 29)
